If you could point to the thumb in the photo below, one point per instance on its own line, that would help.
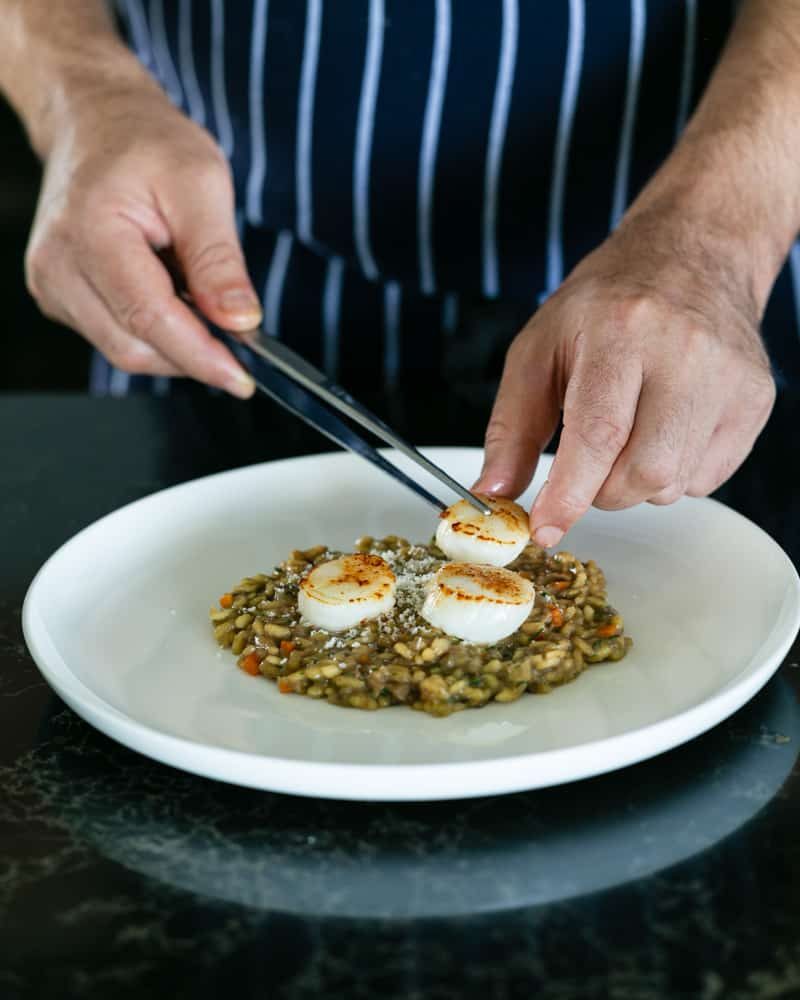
(206, 244)
(524, 418)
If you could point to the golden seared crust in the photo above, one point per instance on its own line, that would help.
(469, 521)
(498, 586)
(368, 576)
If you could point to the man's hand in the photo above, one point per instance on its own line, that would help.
(127, 175)
(651, 346)
(652, 351)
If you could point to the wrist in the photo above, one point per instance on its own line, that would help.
(709, 203)
(58, 62)
(83, 83)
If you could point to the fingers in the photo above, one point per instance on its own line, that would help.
(733, 440)
(674, 423)
(207, 248)
(95, 323)
(725, 453)
(135, 288)
(599, 410)
(688, 438)
(66, 297)
(524, 418)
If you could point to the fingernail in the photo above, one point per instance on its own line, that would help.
(547, 536)
(240, 384)
(241, 305)
(491, 487)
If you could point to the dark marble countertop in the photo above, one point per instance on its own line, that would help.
(120, 877)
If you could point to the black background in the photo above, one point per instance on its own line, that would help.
(37, 354)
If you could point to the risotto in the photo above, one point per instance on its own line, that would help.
(398, 658)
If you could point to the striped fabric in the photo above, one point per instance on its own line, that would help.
(396, 161)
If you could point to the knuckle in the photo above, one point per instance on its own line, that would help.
(611, 495)
(668, 496)
(150, 364)
(212, 257)
(694, 339)
(54, 310)
(33, 278)
(755, 397)
(211, 170)
(38, 261)
(128, 358)
(611, 503)
(702, 487)
(606, 500)
(502, 433)
(498, 431)
(727, 466)
(49, 249)
(712, 476)
(635, 309)
(601, 435)
(762, 390)
(657, 474)
(139, 319)
(569, 507)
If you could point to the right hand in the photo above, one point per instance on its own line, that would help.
(128, 175)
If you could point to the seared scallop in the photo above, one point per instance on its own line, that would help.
(481, 604)
(339, 594)
(464, 534)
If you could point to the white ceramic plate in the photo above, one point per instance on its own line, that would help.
(117, 622)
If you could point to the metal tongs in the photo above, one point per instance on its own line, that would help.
(309, 394)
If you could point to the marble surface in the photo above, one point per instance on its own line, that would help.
(121, 877)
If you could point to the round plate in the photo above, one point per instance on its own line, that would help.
(117, 622)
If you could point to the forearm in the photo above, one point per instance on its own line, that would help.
(735, 174)
(55, 56)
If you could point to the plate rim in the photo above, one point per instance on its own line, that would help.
(363, 781)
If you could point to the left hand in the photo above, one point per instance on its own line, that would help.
(651, 348)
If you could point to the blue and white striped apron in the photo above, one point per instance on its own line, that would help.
(397, 160)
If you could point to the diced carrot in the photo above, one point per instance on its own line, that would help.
(284, 686)
(226, 600)
(249, 664)
(606, 631)
(559, 585)
(556, 616)
(286, 647)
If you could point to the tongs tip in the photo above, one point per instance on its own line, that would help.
(476, 502)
